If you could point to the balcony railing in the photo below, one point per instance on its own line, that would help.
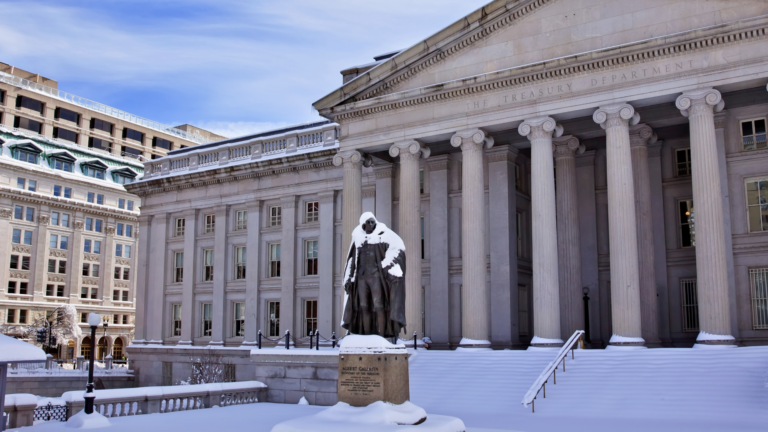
(104, 109)
(268, 148)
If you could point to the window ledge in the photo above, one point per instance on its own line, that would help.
(122, 302)
(23, 296)
(82, 300)
(56, 298)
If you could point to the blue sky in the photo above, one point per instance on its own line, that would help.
(233, 67)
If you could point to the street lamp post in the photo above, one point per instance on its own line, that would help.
(105, 323)
(93, 320)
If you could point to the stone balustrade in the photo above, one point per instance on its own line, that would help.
(20, 408)
(263, 148)
(152, 400)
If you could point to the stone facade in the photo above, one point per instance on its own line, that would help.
(561, 147)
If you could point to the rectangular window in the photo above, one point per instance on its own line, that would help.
(121, 203)
(130, 205)
(97, 247)
(176, 320)
(310, 265)
(87, 246)
(65, 114)
(11, 316)
(32, 186)
(86, 269)
(101, 125)
(116, 295)
(94, 270)
(687, 231)
(133, 135)
(18, 212)
(97, 225)
(210, 223)
(88, 224)
(98, 144)
(100, 199)
(28, 237)
(208, 265)
(119, 229)
(125, 296)
(522, 309)
(180, 223)
(57, 190)
(683, 160)
(178, 267)
(238, 326)
(50, 290)
(117, 273)
(64, 242)
(54, 218)
(274, 260)
(54, 241)
(162, 143)
(22, 312)
(65, 220)
(90, 197)
(25, 262)
(131, 152)
(757, 204)
(518, 179)
(51, 266)
(421, 221)
(207, 319)
(67, 192)
(274, 318)
(275, 216)
(690, 305)
(61, 165)
(241, 221)
(16, 236)
(14, 262)
(21, 183)
(62, 267)
(310, 317)
(30, 215)
(65, 134)
(22, 288)
(758, 279)
(126, 273)
(30, 125)
(126, 251)
(753, 134)
(313, 211)
(29, 103)
(240, 262)
(118, 250)
(129, 230)
(11, 287)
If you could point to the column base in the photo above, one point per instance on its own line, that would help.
(626, 341)
(216, 343)
(249, 344)
(474, 343)
(710, 340)
(184, 343)
(540, 342)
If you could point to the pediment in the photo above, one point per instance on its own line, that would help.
(505, 35)
(95, 163)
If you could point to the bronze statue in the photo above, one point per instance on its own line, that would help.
(374, 280)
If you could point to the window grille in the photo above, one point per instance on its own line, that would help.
(274, 319)
(758, 279)
(690, 305)
(240, 257)
(210, 223)
(683, 159)
(310, 268)
(242, 220)
(238, 329)
(310, 317)
(230, 373)
(167, 373)
(275, 216)
(313, 211)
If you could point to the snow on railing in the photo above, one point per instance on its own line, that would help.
(274, 146)
(151, 400)
(104, 109)
(240, 153)
(209, 158)
(550, 370)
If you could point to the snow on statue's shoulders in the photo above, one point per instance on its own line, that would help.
(357, 344)
(13, 350)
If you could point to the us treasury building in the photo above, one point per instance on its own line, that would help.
(551, 165)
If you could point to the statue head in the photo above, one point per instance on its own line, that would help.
(368, 222)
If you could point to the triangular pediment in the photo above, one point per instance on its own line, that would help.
(504, 35)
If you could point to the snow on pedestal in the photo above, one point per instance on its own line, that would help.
(82, 420)
(372, 369)
(376, 417)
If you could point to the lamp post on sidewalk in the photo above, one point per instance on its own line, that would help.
(93, 320)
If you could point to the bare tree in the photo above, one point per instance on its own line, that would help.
(62, 321)
(207, 369)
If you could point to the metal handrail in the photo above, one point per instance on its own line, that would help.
(551, 370)
(104, 109)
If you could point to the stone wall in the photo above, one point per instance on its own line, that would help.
(54, 386)
(289, 374)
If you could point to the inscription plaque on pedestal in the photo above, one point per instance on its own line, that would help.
(368, 375)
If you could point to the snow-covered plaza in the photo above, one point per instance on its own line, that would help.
(601, 390)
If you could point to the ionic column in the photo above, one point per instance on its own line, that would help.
(439, 265)
(156, 312)
(622, 226)
(475, 297)
(569, 240)
(410, 229)
(546, 287)
(639, 138)
(711, 261)
(188, 278)
(352, 195)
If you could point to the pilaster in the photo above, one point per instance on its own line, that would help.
(587, 205)
(288, 266)
(108, 263)
(475, 295)
(188, 278)
(383, 211)
(155, 310)
(622, 226)
(252, 272)
(5, 233)
(438, 296)
(546, 286)
(502, 198)
(142, 280)
(39, 266)
(220, 270)
(410, 229)
(659, 241)
(325, 319)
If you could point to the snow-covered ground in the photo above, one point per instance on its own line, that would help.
(602, 390)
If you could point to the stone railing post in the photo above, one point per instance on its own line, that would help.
(108, 362)
(48, 361)
(79, 362)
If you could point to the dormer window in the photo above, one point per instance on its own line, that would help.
(94, 168)
(61, 160)
(124, 176)
(27, 153)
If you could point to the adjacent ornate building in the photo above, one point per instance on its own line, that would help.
(551, 165)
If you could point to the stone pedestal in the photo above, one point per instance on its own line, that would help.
(372, 373)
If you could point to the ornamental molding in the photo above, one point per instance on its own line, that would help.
(110, 231)
(90, 281)
(410, 149)
(16, 274)
(43, 219)
(352, 158)
(56, 278)
(91, 257)
(384, 171)
(538, 128)
(79, 225)
(567, 146)
(122, 261)
(57, 253)
(121, 285)
(369, 193)
(439, 163)
(6, 213)
(327, 197)
(21, 249)
(472, 139)
(704, 100)
(663, 47)
(616, 115)
(641, 135)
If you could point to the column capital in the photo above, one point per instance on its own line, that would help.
(503, 153)
(289, 200)
(567, 147)
(472, 139)
(654, 149)
(619, 114)
(540, 127)
(145, 218)
(44, 219)
(695, 101)
(6, 213)
(439, 163)
(327, 197)
(641, 135)
(384, 170)
(189, 213)
(409, 149)
(352, 157)
(369, 193)
(720, 119)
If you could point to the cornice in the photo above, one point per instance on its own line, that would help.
(65, 204)
(603, 60)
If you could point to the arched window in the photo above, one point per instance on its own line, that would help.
(102, 352)
(117, 350)
(85, 347)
